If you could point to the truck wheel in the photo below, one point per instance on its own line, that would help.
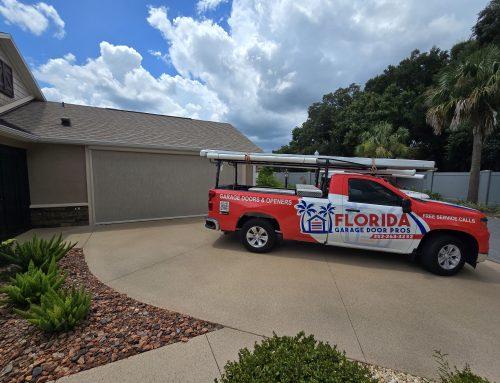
(443, 255)
(258, 235)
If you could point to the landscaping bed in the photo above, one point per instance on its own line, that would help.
(117, 327)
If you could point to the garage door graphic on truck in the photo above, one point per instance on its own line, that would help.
(315, 219)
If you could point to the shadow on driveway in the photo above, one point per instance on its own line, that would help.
(359, 258)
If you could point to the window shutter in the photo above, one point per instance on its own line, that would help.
(1, 76)
(8, 81)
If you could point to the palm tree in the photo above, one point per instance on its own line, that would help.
(303, 209)
(325, 211)
(383, 142)
(468, 91)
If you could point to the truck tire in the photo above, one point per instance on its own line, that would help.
(443, 255)
(258, 235)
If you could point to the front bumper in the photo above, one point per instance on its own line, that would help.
(212, 223)
(481, 257)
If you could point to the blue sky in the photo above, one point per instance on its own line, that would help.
(89, 22)
(254, 63)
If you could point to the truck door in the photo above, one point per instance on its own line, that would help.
(372, 217)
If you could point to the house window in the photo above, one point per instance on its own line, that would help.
(6, 79)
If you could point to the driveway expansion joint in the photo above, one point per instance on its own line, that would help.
(213, 354)
(345, 308)
(245, 331)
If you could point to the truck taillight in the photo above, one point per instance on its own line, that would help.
(211, 195)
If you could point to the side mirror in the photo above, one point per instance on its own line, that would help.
(406, 205)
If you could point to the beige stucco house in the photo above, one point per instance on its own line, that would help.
(63, 164)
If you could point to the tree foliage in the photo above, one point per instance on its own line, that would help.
(487, 28)
(468, 92)
(335, 125)
(382, 141)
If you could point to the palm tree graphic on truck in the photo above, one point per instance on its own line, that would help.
(313, 221)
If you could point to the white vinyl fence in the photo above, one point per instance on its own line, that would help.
(450, 185)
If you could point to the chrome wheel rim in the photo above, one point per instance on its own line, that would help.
(257, 236)
(449, 256)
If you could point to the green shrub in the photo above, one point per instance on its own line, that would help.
(39, 251)
(59, 310)
(6, 251)
(435, 196)
(28, 287)
(294, 359)
(266, 178)
(448, 375)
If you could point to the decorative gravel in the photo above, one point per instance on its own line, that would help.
(116, 328)
(387, 375)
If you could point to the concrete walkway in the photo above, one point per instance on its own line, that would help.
(199, 360)
(379, 307)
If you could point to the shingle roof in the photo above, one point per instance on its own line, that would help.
(91, 125)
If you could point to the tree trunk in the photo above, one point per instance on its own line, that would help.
(475, 166)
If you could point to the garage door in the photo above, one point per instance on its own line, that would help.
(132, 186)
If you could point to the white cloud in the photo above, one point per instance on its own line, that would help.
(208, 5)
(276, 58)
(35, 18)
(117, 79)
(159, 55)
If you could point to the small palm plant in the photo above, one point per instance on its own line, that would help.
(26, 288)
(58, 310)
(37, 250)
(6, 250)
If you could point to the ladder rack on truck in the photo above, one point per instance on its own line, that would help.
(374, 166)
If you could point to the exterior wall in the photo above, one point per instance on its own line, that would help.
(57, 174)
(131, 185)
(15, 143)
(20, 90)
(58, 185)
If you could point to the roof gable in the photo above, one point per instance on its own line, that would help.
(22, 72)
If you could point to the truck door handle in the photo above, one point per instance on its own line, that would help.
(352, 210)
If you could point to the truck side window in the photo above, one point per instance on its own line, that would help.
(366, 191)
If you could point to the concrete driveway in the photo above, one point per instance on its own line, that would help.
(379, 307)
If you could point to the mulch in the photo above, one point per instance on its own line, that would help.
(117, 327)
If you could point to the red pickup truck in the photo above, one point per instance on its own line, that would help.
(353, 210)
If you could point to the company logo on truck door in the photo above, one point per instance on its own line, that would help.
(322, 219)
(314, 221)
(373, 220)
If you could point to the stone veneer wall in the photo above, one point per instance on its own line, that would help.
(59, 216)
